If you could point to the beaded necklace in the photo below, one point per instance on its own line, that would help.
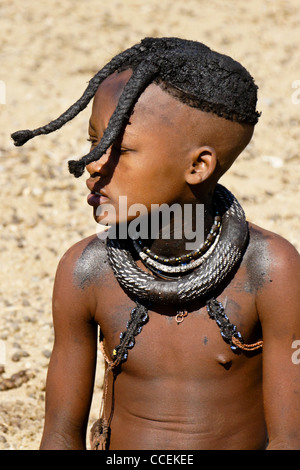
(212, 267)
(181, 264)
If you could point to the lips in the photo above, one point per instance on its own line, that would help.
(95, 199)
(97, 195)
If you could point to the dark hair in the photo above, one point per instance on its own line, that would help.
(188, 70)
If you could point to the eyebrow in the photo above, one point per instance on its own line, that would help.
(129, 132)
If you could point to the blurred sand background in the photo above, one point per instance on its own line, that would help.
(49, 50)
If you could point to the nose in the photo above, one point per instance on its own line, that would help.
(99, 167)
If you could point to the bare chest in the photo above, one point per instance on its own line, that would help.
(168, 343)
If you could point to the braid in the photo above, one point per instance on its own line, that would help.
(188, 70)
(132, 90)
(21, 137)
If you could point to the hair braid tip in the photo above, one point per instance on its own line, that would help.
(21, 137)
(76, 168)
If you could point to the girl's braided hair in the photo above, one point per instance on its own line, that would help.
(188, 70)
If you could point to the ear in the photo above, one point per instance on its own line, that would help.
(203, 164)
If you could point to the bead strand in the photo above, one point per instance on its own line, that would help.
(145, 253)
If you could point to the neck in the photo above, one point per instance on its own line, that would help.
(184, 230)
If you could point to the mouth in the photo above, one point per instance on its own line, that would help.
(96, 199)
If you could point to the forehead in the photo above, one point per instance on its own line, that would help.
(154, 106)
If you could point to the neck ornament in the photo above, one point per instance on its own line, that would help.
(181, 264)
(215, 265)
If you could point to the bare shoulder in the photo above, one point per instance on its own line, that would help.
(269, 259)
(273, 264)
(271, 250)
(85, 262)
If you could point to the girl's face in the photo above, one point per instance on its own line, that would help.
(147, 164)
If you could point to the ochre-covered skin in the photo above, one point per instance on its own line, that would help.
(182, 387)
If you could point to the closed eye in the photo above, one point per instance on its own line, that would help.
(115, 147)
(93, 141)
(120, 149)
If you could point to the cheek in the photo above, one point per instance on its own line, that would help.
(168, 182)
(150, 177)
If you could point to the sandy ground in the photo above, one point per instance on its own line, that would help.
(49, 50)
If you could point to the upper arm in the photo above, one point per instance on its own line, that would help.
(279, 311)
(71, 370)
